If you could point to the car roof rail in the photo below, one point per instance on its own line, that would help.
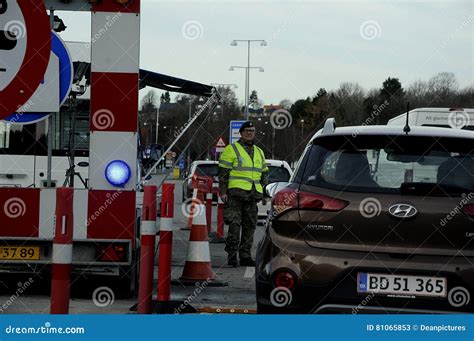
(329, 126)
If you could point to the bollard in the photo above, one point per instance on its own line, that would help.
(218, 236)
(164, 304)
(209, 205)
(62, 252)
(147, 250)
(166, 243)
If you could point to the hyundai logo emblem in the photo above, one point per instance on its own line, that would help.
(402, 211)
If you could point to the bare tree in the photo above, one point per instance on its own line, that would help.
(286, 104)
(418, 94)
(149, 101)
(349, 103)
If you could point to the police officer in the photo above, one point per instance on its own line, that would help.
(242, 175)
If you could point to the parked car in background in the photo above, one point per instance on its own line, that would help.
(279, 173)
(373, 214)
(200, 171)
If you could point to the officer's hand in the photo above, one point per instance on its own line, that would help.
(224, 198)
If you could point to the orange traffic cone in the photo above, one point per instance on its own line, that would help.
(198, 267)
(192, 209)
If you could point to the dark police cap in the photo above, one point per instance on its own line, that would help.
(247, 124)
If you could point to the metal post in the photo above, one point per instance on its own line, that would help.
(189, 150)
(73, 146)
(273, 143)
(50, 130)
(50, 150)
(247, 83)
(157, 124)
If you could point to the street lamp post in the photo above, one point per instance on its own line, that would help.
(157, 124)
(247, 74)
(247, 68)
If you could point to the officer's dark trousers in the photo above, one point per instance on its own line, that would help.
(241, 216)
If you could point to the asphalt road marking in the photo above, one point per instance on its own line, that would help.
(249, 272)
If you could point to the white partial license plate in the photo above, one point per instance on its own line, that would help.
(383, 284)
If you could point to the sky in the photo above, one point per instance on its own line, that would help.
(310, 44)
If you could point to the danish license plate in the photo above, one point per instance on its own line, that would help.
(19, 252)
(383, 284)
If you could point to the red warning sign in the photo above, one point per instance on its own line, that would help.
(220, 145)
(25, 47)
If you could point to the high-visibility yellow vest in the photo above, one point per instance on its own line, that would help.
(244, 171)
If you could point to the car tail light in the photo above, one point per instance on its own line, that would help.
(320, 202)
(112, 253)
(289, 198)
(284, 278)
(469, 210)
(284, 200)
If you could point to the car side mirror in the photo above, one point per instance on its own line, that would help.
(269, 189)
(274, 187)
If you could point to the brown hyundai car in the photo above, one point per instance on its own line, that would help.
(374, 219)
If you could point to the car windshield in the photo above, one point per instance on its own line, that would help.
(430, 166)
(207, 170)
(278, 174)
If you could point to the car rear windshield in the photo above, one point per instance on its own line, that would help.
(414, 165)
(207, 170)
(278, 174)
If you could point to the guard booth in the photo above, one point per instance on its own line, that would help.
(107, 203)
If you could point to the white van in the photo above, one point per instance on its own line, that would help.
(457, 118)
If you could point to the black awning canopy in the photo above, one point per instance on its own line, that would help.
(154, 80)
(174, 84)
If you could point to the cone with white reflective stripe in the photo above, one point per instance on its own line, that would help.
(192, 209)
(198, 267)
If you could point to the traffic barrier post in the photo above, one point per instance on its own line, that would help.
(147, 250)
(62, 251)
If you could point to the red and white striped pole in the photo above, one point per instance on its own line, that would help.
(209, 205)
(62, 251)
(166, 243)
(147, 250)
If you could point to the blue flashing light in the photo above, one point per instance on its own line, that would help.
(118, 173)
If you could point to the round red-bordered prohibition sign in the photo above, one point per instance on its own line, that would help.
(24, 25)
